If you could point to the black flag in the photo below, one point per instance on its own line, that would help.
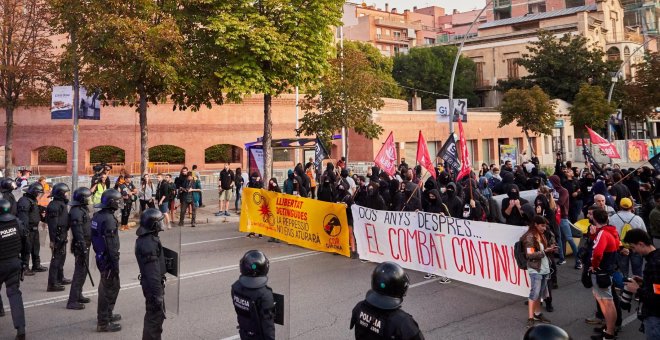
(590, 158)
(449, 155)
(655, 161)
(320, 153)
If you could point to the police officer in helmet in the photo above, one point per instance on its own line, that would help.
(81, 230)
(105, 242)
(379, 316)
(546, 332)
(151, 260)
(57, 218)
(253, 299)
(7, 185)
(30, 216)
(12, 250)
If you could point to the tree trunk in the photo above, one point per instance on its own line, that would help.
(267, 140)
(531, 146)
(144, 132)
(9, 142)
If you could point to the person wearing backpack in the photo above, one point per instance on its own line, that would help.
(537, 249)
(624, 220)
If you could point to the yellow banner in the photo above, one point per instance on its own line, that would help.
(301, 221)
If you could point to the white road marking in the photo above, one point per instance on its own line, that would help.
(209, 241)
(185, 276)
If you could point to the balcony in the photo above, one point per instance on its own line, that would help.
(397, 24)
(393, 39)
(501, 3)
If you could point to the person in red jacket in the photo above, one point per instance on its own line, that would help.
(603, 265)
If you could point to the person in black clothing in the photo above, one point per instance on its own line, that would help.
(512, 207)
(253, 299)
(255, 181)
(13, 248)
(238, 184)
(30, 215)
(408, 198)
(360, 196)
(379, 315)
(343, 196)
(646, 289)
(453, 202)
(506, 183)
(373, 198)
(619, 190)
(58, 228)
(273, 186)
(575, 201)
(80, 223)
(305, 182)
(434, 203)
(151, 261)
(326, 191)
(7, 185)
(163, 198)
(186, 199)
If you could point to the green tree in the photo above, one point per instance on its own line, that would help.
(641, 95)
(271, 46)
(26, 62)
(590, 108)
(347, 96)
(560, 66)
(380, 66)
(531, 109)
(429, 70)
(130, 51)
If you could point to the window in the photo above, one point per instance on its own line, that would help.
(536, 8)
(486, 153)
(397, 35)
(429, 41)
(387, 33)
(574, 3)
(379, 33)
(570, 143)
(379, 46)
(479, 76)
(512, 68)
(397, 49)
(281, 155)
(547, 145)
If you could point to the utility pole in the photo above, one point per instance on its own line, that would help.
(76, 103)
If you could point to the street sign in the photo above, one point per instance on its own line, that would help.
(559, 124)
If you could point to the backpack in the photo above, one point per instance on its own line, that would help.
(519, 255)
(626, 227)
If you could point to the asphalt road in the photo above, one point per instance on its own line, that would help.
(322, 290)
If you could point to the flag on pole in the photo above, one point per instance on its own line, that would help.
(386, 158)
(590, 158)
(320, 153)
(423, 156)
(608, 148)
(655, 161)
(466, 165)
(449, 155)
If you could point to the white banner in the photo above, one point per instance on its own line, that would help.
(442, 110)
(477, 253)
(61, 103)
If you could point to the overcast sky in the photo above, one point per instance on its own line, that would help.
(449, 5)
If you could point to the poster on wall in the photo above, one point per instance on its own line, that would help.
(61, 103)
(653, 147)
(637, 151)
(257, 161)
(90, 105)
(442, 110)
(508, 153)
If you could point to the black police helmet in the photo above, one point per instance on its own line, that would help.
(80, 196)
(35, 189)
(5, 211)
(7, 184)
(59, 191)
(254, 268)
(546, 332)
(389, 284)
(150, 222)
(110, 199)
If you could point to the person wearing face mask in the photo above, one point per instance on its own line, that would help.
(564, 224)
(360, 197)
(512, 207)
(453, 201)
(506, 183)
(345, 197)
(326, 192)
(434, 203)
(374, 199)
(384, 189)
(429, 185)
(273, 186)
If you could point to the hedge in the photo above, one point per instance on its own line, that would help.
(107, 153)
(167, 153)
(51, 155)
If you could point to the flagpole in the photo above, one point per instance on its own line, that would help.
(631, 172)
(414, 191)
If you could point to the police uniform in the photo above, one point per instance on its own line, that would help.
(29, 214)
(105, 241)
(379, 316)
(151, 260)
(80, 223)
(9, 197)
(253, 299)
(12, 246)
(58, 228)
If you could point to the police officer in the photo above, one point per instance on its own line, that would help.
(105, 242)
(7, 185)
(57, 218)
(379, 316)
(30, 215)
(150, 259)
(80, 223)
(12, 246)
(253, 299)
(546, 332)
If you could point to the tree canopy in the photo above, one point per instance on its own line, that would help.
(531, 109)
(347, 98)
(591, 108)
(641, 96)
(271, 46)
(560, 66)
(429, 69)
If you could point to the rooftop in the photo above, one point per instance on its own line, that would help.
(539, 16)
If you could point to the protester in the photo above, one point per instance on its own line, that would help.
(603, 264)
(564, 224)
(625, 220)
(310, 170)
(654, 217)
(146, 193)
(537, 249)
(162, 198)
(186, 198)
(128, 192)
(225, 187)
(512, 206)
(239, 181)
(646, 289)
